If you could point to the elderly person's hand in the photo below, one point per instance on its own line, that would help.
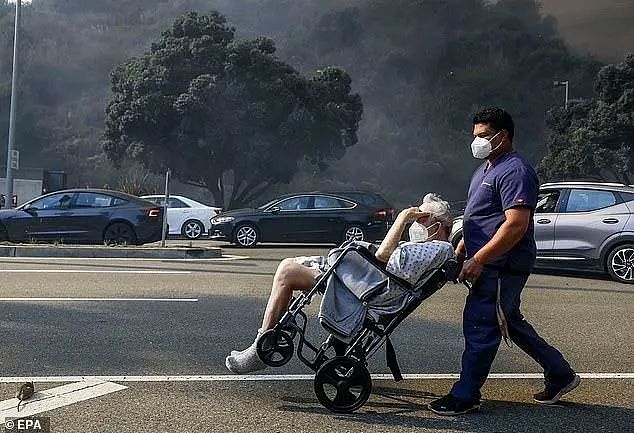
(412, 214)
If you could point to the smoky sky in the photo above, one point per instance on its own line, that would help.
(70, 46)
(602, 28)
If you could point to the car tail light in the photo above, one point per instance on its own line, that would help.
(154, 213)
(381, 213)
(385, 213)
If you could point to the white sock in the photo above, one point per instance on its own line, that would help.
(247, 360)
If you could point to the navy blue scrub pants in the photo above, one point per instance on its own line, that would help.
(482, 335)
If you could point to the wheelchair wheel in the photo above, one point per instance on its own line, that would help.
(342, 384)
(275, 348)
(290, 328)
(291, 331)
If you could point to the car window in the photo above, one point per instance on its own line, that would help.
(372, 200)
(585, 200)
(296, 203)
(627, 196)
(118, 201)
(323, 202)
(176, 203)
(366, 199)
(547, 201)
(172, 202)
(55, 201)
(93, 200)
(267, 204)
(160, 201)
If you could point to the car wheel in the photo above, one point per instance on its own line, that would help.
(620, 263)
(246, 235)
(119, 234)
(354, 232)
(4, 235)
(192, 229)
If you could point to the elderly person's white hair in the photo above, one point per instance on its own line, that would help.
(438, 209)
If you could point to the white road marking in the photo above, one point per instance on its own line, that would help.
(98, 299)
(284, 377)
(88, 271)
(57, 397)
(224, 258)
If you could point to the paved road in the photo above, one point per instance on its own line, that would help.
(155, 328)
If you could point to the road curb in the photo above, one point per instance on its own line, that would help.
(110, 252)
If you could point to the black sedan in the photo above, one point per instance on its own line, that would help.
(83, 215)
(311, 217)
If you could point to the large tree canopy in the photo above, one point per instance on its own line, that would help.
(594, 138)
(226, 113)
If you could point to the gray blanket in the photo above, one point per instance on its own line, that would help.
(356, 289)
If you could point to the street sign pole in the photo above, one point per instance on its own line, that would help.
(165, 206)
(14, 100)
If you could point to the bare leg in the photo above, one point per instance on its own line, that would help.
(288, 277)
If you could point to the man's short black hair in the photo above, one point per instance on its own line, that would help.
(497, 118)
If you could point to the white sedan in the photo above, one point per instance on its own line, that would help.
(185, 216)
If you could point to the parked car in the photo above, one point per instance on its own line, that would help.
(185, 216)
(583, 226)
(83, 215)
(308, 217)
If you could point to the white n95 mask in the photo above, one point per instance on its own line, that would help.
(419, 233)
(481, 147)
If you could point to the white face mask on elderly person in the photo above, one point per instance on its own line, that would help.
(420, 232)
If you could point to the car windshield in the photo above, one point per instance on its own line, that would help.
(267, 204)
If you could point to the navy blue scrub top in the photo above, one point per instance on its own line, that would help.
(510, 182)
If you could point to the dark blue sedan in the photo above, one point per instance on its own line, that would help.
(83, 215)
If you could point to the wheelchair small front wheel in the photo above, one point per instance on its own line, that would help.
(342, 384)
(275, 348)
(290, 328)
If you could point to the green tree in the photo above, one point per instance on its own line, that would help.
(594, 138)
(226, 113)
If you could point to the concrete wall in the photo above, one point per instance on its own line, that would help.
(25, 189)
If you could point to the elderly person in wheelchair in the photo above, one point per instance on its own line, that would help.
(428, 247)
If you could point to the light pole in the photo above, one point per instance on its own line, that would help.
(14, 99)
(565, 84)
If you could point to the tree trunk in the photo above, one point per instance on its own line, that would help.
(213, 185)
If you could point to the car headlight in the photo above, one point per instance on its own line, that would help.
(222, 220)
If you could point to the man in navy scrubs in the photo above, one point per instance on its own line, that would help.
(498, 249)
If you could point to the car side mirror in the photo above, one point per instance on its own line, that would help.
(30, 210)
(275, 209)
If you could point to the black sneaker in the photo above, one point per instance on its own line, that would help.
(552, 396)
(449, 405)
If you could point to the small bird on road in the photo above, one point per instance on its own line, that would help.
(25, 392)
